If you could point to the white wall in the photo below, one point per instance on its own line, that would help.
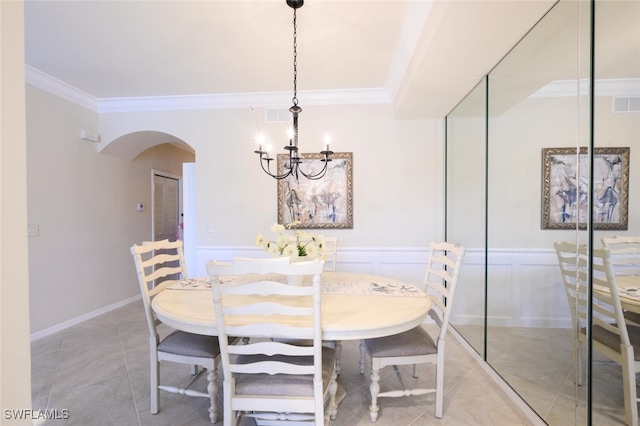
(84, 204)
(524, 283)
(15, 355)
(398, 197)
(397, 170)
(515, 171)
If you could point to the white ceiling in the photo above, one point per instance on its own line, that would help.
(425, 56)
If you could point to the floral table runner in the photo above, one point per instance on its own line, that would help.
(336, 287)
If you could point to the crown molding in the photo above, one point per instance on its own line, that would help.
(65, 91)
(243, 100)
(604, 87)
(52, 85)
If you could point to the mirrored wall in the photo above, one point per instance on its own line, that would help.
(511, 305)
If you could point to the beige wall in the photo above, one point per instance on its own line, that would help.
(15, 359)
(516, 174)
(84, 204)
(397, 170)
(84, 201)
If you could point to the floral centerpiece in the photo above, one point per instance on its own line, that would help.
(291, 242)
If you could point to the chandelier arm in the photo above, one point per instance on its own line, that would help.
(268, 169)
(318, 175)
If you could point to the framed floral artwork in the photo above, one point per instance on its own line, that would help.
(565, 191)
(321, 204)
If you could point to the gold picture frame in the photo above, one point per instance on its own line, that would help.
(325, 203)
(565, 188)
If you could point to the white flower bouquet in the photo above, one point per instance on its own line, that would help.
(291, 242)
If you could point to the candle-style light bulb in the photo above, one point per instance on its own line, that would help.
(262, 140)
(290, 135)
(327, 140)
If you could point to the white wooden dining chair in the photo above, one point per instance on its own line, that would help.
(567, 254)
(269, 378)
(416, 346)
(330, 250)
(154, 262)
(625, 257)
(611, 336)
(625, 254)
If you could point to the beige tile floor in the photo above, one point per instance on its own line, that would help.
(538, 363)
(99, 371)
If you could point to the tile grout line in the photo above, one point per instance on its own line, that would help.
(126, 365)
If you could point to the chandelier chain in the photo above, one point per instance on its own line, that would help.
(291, 166)
(295, 59)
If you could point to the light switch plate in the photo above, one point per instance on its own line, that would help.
(33, 230)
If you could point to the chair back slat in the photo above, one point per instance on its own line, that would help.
(272, 367)
(249, 302)
(267, 308)
(158, 264)
(443, 268)
(271, 329)
(577, 268)
(566, 253)
(265, 287)
(625, 254)
(272, 348)
(330, 249)
(607, 308)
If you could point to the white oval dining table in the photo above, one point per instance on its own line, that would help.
(355, 306)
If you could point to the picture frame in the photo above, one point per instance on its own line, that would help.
(565, 188)
(326, 203)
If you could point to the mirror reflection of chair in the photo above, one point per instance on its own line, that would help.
(270, 378)
(156, 261)
(625, 257)
(611, 335)
(566, 252)
(416, 346)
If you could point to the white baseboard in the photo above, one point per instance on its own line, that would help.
(77, 320)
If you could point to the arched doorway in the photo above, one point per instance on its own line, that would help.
(171, 163)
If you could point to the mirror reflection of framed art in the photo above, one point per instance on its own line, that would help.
(565, 188)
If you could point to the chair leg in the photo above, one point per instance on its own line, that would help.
(212, 389)
(154, 375)
(440, 379)
(374, 387)
(338, 348)
(629, 384)
(333, 390)
(230, 418)
(363, 350)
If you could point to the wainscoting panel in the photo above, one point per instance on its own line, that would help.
(525, 287)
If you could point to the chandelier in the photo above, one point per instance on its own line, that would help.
(292, 166)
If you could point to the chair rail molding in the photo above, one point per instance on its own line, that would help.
(529, 280)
